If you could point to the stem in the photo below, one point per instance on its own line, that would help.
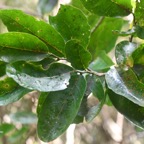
(90, 72)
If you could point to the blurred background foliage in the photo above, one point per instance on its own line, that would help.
(18, 120)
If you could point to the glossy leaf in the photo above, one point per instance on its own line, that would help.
(55, 78)
(130, 110)
(72, 24)
(125, 83)
(59, 109)
(138, 55)
(124, 51)
(23, 117)
(46, 6)
(16, 20)
(102, 63)
(107, 7)
(77, 55)
(15, 46)
(98, 92)
(102, 37)
(13, 96)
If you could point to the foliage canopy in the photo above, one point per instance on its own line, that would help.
(66, 59)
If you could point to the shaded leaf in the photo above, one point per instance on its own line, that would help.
(23, 117)
(5, 128)
(139, 71)
(77, 55)
(55, 78)
(102, 37)
(15, 46)
(2, 68)
(130, 110)
(72, 24)
(13, 95)
(138, 55)
(125, 83)
(108, 7)
(140, 31)
(102, 63)
(98, 92)
(124, 51)
(16, 20)
(46, 6)
(139, 17)
(131, 31)
(59, 109)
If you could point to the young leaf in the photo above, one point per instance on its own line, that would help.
(55, 78)
(59, 109)
(16, 20)
(124, 51)
(130, 110)
(77, 55)
(125, 83)
(108, 7)
(102, 63)
(72, 24)
(16, 46)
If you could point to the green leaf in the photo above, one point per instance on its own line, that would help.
(124, 51)
(55, 78)
(127, 4)
(139, 17)
(92, 18)
(130, 110)
(108, 7)
(16, 20)
(98, 92)
(138, 55)
(16, 46)
(139, 71)
(125, 83)
(7, 84)
(46, 6)
(5, 128)
(72, 24)
(59, 109)
(13, 95)
(2, 68)
(102, 37)
(131, 31)
(140, 31)
(77, 55)
(23, 117)
(102, 63)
